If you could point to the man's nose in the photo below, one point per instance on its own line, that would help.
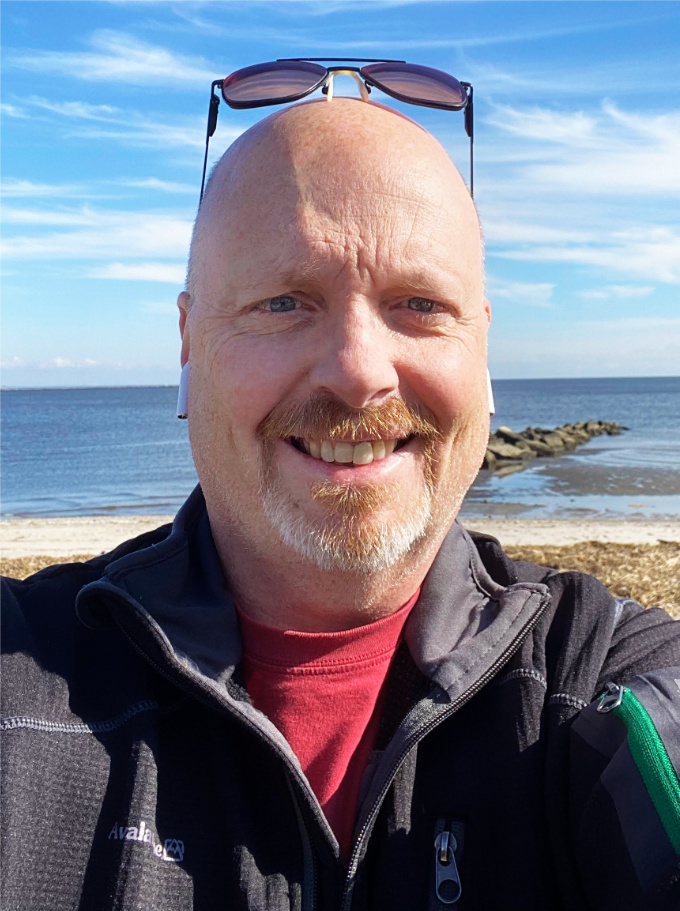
(355, 361)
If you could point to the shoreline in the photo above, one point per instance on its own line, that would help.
(634, 558)
(64, 536)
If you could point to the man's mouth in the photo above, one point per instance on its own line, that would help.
(362, 453)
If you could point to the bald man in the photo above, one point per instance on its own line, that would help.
(316, 690)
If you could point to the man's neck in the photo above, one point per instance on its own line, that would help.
(295, 594)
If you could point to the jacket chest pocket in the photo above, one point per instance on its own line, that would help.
(447, 849)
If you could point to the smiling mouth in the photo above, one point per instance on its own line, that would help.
(344, 453)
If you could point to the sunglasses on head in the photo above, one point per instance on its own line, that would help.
(288, 80)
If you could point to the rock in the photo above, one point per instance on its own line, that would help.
(554, 440)
(506, 450)
(540, 448)
(509, 436)
(569, 440)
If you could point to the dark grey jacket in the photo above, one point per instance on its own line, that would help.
(137, 775)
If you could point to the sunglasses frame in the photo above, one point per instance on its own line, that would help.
(213, 110)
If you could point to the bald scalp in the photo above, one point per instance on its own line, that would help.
(338, 157)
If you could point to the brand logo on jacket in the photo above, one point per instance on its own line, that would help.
(171, 850)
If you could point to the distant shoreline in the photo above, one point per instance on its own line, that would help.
(502, 379)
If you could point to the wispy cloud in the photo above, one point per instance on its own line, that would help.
(163, 186)
(58, 363)
(11, 110)
(110, 235)
(598, 190)
(128, 127)
(167, 273)
(77, 109)
(117, 57)
(526, 294)
(27, 189)
(613, 152)
(12, 188)
(654, 256)
(617, 292)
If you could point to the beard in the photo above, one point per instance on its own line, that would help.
(351, 536)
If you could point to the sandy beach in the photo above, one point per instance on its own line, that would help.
(64, 536)
(634, 558)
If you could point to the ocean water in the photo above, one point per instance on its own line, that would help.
(107, 451)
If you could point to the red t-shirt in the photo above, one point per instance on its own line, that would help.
(324, 692)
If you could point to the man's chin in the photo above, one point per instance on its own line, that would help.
(353, 531)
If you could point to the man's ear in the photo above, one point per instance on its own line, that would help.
(184, 302)
(487, 308)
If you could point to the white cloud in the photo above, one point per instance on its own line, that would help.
(616, 152)
(170, 273)
(50, 217)
(10, 110)
(77, 109)
(527, 294)
(163, 186)
(129, 127)
(53, 363)
(118, 57)
(62, 363)
(27, 188)
(573, 128)
(652, 255)
(617, 292)
(502, 230)
(111, 235)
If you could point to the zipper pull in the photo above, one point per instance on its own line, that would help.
(447, 879)
(611, 698)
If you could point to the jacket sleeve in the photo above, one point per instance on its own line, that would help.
(625, 794)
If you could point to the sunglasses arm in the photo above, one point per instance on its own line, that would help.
(470, 130)
(213, 111)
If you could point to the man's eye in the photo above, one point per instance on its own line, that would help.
(420, 304)
(282, 304)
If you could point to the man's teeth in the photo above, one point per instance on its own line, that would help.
(349, 453)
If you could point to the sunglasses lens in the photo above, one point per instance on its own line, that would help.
(268, 83)
(417, 84)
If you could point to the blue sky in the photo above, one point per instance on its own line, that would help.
(577, 169)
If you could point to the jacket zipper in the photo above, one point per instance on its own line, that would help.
(472, 690)
(447, 884)
(650, 756)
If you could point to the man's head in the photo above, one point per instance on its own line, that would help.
(336, 331)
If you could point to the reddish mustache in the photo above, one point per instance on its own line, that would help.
(324, 417)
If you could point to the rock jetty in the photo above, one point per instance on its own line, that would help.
(510, 450)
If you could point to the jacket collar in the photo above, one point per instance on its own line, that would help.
(176, 590)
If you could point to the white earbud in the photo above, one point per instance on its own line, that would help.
(492, 407)
(183, 394)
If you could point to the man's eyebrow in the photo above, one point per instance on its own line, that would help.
(421, 281)
(305, 273)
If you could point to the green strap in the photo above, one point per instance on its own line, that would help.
(655, 767)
